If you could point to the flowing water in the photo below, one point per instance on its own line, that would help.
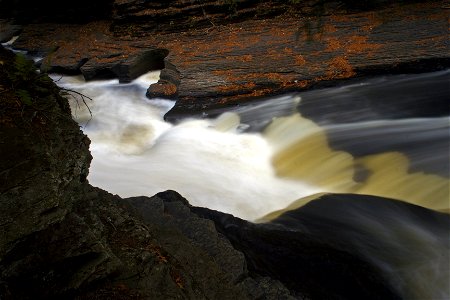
(210, 162)
(388, 136)
(263, 158)
(253, 167)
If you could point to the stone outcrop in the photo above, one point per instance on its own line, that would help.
(344, 246)
(44, 154)
(181, 15)
(228, 62)
(227, 65)
(172, 213)
(64, 239)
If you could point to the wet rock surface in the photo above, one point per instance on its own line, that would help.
(304, 263)
(227, 63)
(332, 247)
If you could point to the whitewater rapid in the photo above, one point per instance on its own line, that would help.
(261, 160)
(214, 164)
(210, 162)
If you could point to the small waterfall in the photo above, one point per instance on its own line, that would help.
(302, 152)
(408, 244)
(287, 161)
(217, 165)
(211, 162)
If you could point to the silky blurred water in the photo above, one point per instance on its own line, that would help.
(259, 160)
(262, 157)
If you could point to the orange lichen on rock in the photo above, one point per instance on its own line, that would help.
(162, 89)
(358, 44)
(339, 68)
(373, 20)
(329, 28)
(241, 58)
(333, 44)
(275, 76)
(275, 54)
(176, 277)
(236, 87)
(261, 92)
(340, 18)
(158, 252)
(299, 60)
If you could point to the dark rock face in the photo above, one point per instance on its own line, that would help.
(124, 69)
(8, 31)
(173, 15)
(303, 262)
(63, 239)
(173, 214)
(44, 155)
(343, 246)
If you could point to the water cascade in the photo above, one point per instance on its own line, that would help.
(261, 160)
(248, 174)
(210, 162)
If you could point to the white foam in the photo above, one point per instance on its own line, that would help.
(137, 153)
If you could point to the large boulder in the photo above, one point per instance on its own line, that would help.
(347, 246)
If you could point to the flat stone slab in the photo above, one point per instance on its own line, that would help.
(230, 64)
(223, 65)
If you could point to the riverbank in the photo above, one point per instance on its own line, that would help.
(216, 66)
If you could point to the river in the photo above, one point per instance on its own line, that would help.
(386, 136)
(264, 156)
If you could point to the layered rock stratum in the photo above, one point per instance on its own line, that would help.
(215, 54)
